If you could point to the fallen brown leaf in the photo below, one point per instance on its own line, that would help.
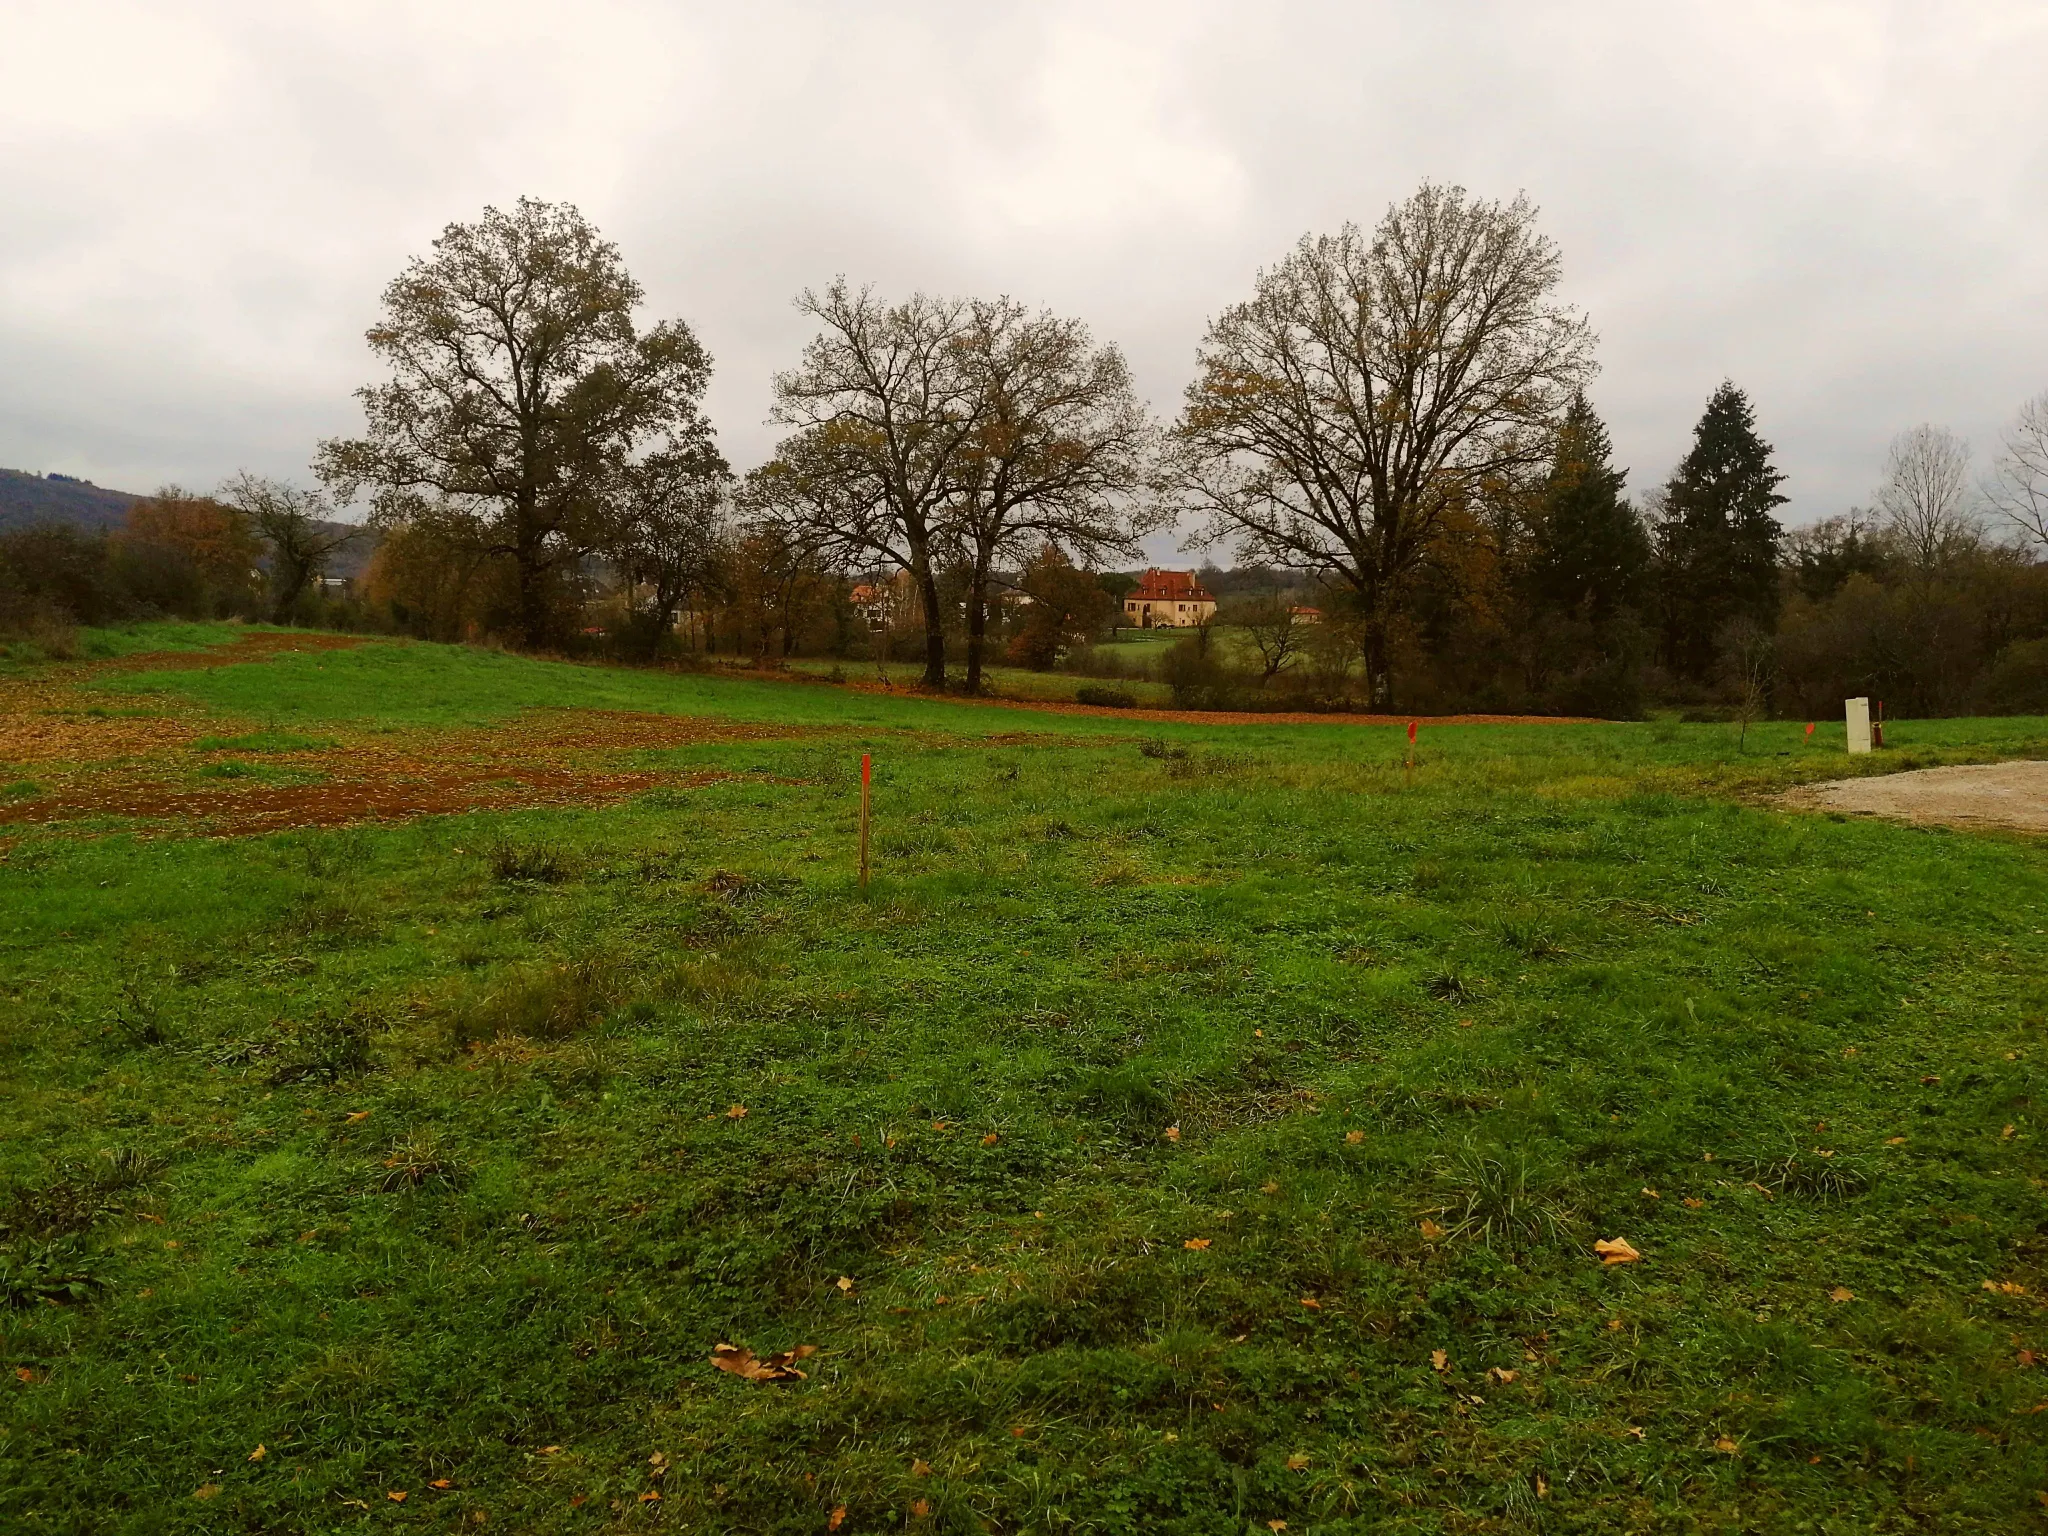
(1276, 1525)
(2006, 1134)
(743, 1363)
(1353, 1138)
(1616, 1250)
(1841, 1293)
(1197, 1244)
(28, 1374)
(920, 1509)
(651, 1496)
(441, 1482)
(1651, 1193)
(1727, 1447)
(737, 1112)
(206, 1490)
(1542, 1488)
(396, 1495)
(549, 1450)
(360, 1114)
(1431, 1232)
(2006, 1287)
(1296, 1462)
(258, 1454)
(1895, 1141)
(838, 1517)
(1173, 1133)
(1438, 1360)
(990, 1139)
(1269, 1188)
(1693, 1202)
(1503, 1376)
(1311, 1303)
(920, 1468)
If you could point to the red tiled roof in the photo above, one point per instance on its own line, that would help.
(1157, 586)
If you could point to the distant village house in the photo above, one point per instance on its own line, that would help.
(1167, 600)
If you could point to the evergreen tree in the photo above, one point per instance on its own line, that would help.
(1717, 541)
(1588, 554)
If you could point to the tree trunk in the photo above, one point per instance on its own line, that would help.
(977, 627)
(1379, 681)
(934, 633)
(533, 612)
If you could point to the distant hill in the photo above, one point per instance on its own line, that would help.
(26, 500)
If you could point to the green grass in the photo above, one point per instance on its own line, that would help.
(440, 1120)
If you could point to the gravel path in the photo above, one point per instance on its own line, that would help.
(2013, 795)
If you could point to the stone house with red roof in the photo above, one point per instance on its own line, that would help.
(1167, 600)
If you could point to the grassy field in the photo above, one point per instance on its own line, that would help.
(1192, 1130)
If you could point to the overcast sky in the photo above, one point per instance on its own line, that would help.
(1840, 204)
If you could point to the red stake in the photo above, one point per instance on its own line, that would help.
(864, 821)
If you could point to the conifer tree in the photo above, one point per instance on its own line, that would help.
(1588, 555)
(1717, 541)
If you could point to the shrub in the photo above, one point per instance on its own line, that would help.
(1104, 698)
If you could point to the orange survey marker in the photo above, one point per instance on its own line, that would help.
(864, 821)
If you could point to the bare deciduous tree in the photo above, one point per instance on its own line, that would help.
(520, 387)
(298, 526)
(1059, 450)
(2019, 482)
(1371, 384)
(882, 404)
(1276, 632)
(669, 531)
(1925, 499)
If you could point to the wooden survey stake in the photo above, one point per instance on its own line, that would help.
(864, 821)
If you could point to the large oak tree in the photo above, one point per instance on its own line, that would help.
(883, 411)
(1060, 450)
(520, 388)
(1370, 385)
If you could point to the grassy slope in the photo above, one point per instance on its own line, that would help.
(1270, 943)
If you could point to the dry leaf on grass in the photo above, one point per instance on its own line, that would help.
(1439, 1360)
(206, 1490)
(838, 1517)
(1431, 1232)
(1616, 1250)
(1503, 1376)
(651, 1496)
(396, 1495)
(549, 1450)
(920, 1468)
(1173, 1133)
(361, 1114)
(920, 1509)
(737, 1112)
(440, 1482)
(1296, 1462)
(258, 1454)
(743, 1363)
(1693, 1202)
(1841, 1293)
(1311, 1303)
(1727, 1447)
(1353, 1138)
(845, 1283)
(1895, 1141)
(990, 1139)
(1196, 1244)
(2006, 1287)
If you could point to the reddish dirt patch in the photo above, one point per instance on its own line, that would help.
(546, 757)
(243, 648)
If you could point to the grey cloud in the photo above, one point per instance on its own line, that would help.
(1839, 205)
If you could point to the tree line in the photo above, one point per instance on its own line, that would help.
(1394, 425)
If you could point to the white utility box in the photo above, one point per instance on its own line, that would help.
(1859, 724)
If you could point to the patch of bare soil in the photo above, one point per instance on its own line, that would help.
(95, 765)
(2008, 795)
(243, 648)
